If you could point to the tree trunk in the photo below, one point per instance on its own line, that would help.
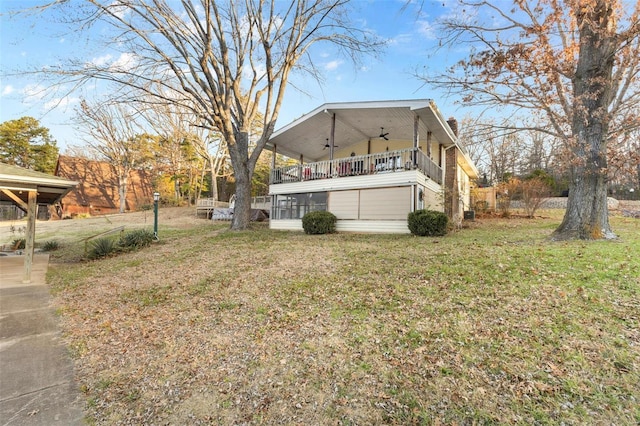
(122, 191)
(214, 180)
(242, 172)
(587, 215)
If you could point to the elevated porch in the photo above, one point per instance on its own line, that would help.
(360, 165)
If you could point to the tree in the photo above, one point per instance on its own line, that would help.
(497, 154)
(24, 143)
(533, 191)
(113, 133)
(184, 148)
(624, 164)
(225, 60)
(573, 63)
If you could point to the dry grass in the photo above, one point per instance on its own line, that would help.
(492, 324)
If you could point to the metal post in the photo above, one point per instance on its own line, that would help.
(156, 198)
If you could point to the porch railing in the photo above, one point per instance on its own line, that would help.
(381, 162)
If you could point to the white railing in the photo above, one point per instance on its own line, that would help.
(382, 162)
(261, 202)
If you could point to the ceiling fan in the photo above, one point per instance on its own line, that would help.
(383, 135)
(327, 145)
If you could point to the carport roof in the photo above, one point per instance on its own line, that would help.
(20, 181)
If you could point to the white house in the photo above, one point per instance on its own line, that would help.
(370, 164)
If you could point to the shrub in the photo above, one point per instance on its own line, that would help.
(505, 192)
(319, 222)
(51, 245)
(534, 191)
(136, 239)
(102, 247)
(428, 223)
(19, 244)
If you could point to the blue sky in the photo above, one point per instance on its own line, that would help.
(38, 41)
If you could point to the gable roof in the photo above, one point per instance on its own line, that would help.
(20, 181)
(358, 121)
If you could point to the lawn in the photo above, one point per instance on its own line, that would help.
(492, 324)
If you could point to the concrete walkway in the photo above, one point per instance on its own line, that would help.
(36, 374)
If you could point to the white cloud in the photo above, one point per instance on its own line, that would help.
(332, 65)
(7, 90)
(426, 30)
(61, 102)
(119, 11)
(101, 60)
(126, 61)
(401, 39)
(33, 93)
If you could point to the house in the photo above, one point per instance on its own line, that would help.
(97, 192)
(370, 164)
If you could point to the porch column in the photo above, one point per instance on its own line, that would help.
(272, 172)
(332, 137)
(416, 140)
(32, 208)
(273, 158)
(301, 177)
(416, 134)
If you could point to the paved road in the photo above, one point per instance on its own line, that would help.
(36, 373)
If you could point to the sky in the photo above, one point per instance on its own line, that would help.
(29, 42)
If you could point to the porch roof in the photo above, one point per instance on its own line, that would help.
(359, 121)
(20, 181)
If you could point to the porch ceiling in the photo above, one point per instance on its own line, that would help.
(357, 122)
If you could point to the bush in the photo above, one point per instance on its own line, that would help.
(319, 222)
(19, 244)
(102, 247)
(428, 223)
(136, 239)
(534, 191)
(51, 245)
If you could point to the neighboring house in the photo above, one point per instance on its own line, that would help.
(97, 192)
(370, 164)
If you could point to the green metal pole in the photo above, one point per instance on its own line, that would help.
(156, 197)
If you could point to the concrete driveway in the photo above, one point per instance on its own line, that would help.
(36, 374)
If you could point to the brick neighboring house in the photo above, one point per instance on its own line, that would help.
(97, 192)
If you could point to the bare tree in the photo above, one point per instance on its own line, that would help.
(624, 164)
(112, 132)
(539, 153)
(497, 154)
(227, 60)
(574, 63)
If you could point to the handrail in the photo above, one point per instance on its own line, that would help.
(111, 231)
(380, 162)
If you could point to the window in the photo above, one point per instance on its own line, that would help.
(294, 206)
